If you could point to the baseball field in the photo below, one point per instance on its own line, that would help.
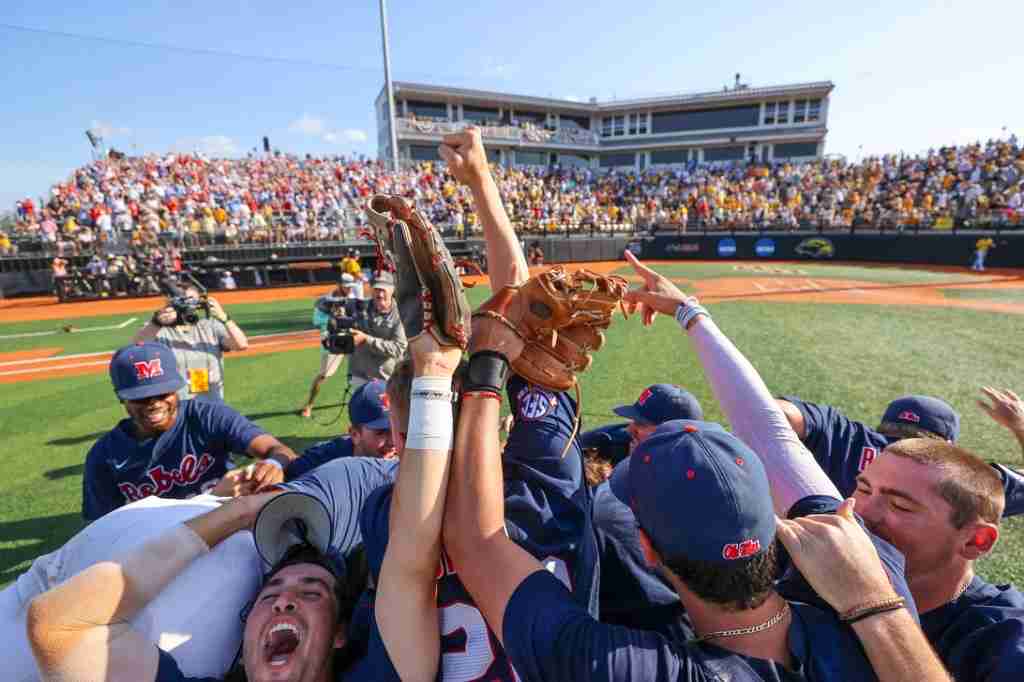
(852, 336)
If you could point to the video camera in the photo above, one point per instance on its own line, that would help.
(346, 314)
(187, 307)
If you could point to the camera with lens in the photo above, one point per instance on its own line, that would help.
(346, 315)
(187, 307)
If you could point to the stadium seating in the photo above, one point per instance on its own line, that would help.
(276, 199)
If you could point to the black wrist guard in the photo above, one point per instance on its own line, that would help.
(488, 371)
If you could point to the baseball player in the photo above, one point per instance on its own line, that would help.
(369, 433)
(723, 568)
(844, 447)
(937, 504)
(632, 593)
(169, 447)
(295, 629)
(547, 509)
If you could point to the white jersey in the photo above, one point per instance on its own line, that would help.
(196, 618)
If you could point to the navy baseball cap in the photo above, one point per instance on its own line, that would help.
(925, 412)
(698, 491)
(369, 406)
(660, 403)
(144, 370)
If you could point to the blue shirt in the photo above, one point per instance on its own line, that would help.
(321, 453)
(184, 461)
(843, 448)
(547, 512)
(632, 593)
(548, 637)
(980, 636)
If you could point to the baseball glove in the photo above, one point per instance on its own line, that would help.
(428, 290)
(560, 317)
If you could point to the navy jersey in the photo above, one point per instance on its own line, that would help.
(632, 593)
(843, 448)
(547, 512)
(343, 485)
(980, 636)
(185, 460)
(321, 453)
(549, 637)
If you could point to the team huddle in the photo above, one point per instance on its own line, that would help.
(798, 545)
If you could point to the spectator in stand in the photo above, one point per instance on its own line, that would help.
(535, 255)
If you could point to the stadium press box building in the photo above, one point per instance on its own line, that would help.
(767, 123)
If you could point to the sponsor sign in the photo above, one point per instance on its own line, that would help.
(727, 247)
(765, 247)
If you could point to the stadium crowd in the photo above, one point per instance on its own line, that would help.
(799, 545)
(194, 200)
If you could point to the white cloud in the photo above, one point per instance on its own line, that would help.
(572, 98)
(107, 130)
(307, 125)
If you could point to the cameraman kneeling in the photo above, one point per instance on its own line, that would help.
(198, 344)
(373, 336)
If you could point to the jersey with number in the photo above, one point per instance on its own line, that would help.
(980, 635)
(843, 447)
(318, 454)
(185, 460)
(546, 512)
(195, 617)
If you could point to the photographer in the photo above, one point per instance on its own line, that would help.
(198, 344)
(371, 332)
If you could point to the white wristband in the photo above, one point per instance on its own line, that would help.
(431, 424)
(271, 460)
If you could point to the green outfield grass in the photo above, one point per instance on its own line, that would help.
(857, 357)
(862, 273)
(980, 294)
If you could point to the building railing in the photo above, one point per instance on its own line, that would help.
(528, 134)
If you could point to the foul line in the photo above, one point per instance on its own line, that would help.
(26, 335)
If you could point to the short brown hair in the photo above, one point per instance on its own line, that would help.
(899, 431)
(971, 487)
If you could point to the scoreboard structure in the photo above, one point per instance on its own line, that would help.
(772, 123)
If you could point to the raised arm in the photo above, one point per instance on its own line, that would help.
(464, 153)
(837, 557)
(1006, 409)
(753, 414)
(490, 565)
(405, 607)
(235, 339)
(164, 317)
(79, 630)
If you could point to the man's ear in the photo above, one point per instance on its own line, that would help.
(340, 636)
(651, 556)
(981, 539)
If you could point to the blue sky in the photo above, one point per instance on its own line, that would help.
(925, 74)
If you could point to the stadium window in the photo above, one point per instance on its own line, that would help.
(606, 126)
(705, 119)
(723, 153)
(799, 111)
(782, 115)
(527, 158)
(482, 115)
(814, 110)
(619, 126)
(769, 113)
(792, 150)
(581, 122)
(667, 156)
(632, 123)
(535, 117)
(641, 127)
(431, 110)
(618, 159)
(423, 153)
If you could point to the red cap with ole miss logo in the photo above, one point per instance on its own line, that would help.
(698, 492)
(144, 370)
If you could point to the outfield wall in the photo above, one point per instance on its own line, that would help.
(310, 264)
(930, 249)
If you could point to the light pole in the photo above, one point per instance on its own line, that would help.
(387, 85)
